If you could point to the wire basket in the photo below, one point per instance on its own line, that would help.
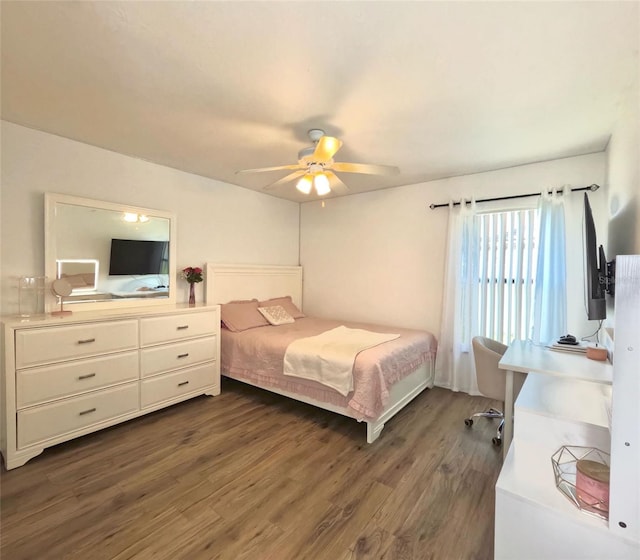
(565, 467)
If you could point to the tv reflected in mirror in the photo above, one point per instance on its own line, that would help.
(138, 257)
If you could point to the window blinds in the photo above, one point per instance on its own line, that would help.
(507, 273)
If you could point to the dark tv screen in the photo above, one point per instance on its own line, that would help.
(595, 268)
(134, 257)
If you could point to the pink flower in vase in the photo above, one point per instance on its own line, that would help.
(193, 275)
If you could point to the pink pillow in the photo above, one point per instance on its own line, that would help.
(285, 302)
(242, 315)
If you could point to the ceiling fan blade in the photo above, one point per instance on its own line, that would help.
(285, 179)
(326, 148)
(261, 169)
(367, 168)
(336, 183)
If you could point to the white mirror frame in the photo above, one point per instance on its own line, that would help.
(51, 201)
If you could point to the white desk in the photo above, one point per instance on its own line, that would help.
(571, 400)
(526, 357)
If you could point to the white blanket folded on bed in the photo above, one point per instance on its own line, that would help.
(328, 358)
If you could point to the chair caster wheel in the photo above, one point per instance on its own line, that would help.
(496, 441)
(468, 422)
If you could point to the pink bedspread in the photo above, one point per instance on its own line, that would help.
(256, 356)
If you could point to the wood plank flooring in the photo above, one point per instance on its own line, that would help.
(253, 475)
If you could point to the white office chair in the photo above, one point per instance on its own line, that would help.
(491, 379)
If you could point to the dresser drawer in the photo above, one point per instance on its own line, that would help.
(45, 383)
(53, 344)
(156, 330)
(172, 356)
(44, 422)
(175, 384)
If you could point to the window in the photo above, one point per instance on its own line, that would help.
(507, 273)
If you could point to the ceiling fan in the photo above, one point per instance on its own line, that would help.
(315, 167)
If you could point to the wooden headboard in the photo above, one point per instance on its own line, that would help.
(227, 282)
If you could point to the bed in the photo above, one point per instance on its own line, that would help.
(386, 376)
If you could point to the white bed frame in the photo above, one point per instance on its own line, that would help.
(227, 282)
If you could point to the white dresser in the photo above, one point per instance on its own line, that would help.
(63, 377)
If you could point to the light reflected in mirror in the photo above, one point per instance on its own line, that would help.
(82, 274)
(111, 253)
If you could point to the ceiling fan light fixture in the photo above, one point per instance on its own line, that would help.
(321, 183)
(305, 183)
(316, 167)
(133, 218)
(332, 144)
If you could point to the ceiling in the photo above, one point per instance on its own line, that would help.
(437, 89)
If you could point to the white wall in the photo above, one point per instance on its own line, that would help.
(623, 181)
(217, 222)
(380, 256)
(623, 177)
(375, 257)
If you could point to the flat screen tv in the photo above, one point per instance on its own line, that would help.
(134, 257)
(598, 274)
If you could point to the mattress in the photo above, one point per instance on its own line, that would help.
(256, 356)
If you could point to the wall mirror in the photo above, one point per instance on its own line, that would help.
(113, 255)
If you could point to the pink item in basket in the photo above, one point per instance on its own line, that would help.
(592, 485)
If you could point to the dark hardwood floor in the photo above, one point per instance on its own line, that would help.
(253, 475)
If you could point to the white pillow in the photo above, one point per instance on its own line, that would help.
(276, 315)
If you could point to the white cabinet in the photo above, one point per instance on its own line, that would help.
(177, 355)
(563, 406)
(534, 519)
(64, 377)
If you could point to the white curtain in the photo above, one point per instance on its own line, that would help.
(550, 299)
(454, 361)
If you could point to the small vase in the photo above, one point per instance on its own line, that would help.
(192, 294)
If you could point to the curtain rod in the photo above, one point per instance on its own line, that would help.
(593, 187)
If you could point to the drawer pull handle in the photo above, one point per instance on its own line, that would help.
(86, 341)
(183, 383)
(183, 355)
(87, 411)
(88, 376)
(183, 327)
